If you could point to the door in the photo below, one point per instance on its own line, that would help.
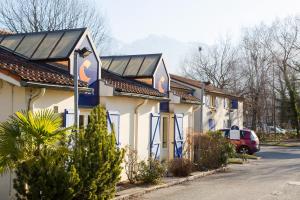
(178, 135)
(164, 136)
(155, 136)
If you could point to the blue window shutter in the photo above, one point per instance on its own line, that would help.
(178, 135)
(211, 124)
(155, 136)
(234, 104)
(113, 122)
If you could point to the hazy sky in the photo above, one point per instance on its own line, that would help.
(190, 20)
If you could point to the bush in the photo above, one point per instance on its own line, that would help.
(214, 150)
(180, 167)
(131, 164)
(151, 172)
(46, 177)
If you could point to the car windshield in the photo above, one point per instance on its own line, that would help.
(253, 136)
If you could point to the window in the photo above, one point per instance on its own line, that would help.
(81, 121)
(212, 101)
(245, 134)
(227, 133)
(113, 124)
(165, 132)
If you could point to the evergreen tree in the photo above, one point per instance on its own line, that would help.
(98, 159)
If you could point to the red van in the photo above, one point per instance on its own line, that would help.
(245, 140)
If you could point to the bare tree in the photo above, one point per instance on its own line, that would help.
(216, 64)
(286, 55)
(47, 15)
(255, 64)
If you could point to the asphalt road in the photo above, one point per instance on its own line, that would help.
(275, 177)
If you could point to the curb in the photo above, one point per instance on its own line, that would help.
(165, 185)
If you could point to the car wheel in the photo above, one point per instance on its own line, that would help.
(244, 150)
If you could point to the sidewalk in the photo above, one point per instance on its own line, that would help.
(166, 182)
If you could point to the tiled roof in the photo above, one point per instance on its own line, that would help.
(128, 86)
(186, 80)
(208, 87)
(186, 96)
(180, 86)
(5, 32)
(184, 92)
(29, 71)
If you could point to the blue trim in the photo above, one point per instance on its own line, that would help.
(153, 134)
(115, 113)
(178, 154)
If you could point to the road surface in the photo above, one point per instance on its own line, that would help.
(275, 177)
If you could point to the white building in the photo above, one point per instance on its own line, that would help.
(36, 73)
(221, 109)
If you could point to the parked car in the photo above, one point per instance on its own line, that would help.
(279, 130)
(245, 140)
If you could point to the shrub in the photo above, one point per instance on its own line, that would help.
(214, 150)
(180, 167)
(48, 176)
(98, 159)
(151, 172)
(131, 164)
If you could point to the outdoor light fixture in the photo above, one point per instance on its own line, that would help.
(83, 52)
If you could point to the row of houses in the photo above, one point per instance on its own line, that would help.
(152, 110)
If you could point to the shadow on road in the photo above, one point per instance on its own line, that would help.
(280, 153)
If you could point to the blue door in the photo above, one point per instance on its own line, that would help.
(178, 135)
(155, 136)
(113, 124)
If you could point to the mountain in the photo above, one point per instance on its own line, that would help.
(174, 51)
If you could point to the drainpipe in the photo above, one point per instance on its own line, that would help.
(35, 97)
(136, 124)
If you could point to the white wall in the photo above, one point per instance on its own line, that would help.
(126, 107)
(14, 98)
(60, 98)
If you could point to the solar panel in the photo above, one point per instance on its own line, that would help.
(66, 43)
(118, 65)
(29, 44)
(43, 45)
(105, 62)
(47, 45)
(133, 66)
(11, 41)
(149, 65)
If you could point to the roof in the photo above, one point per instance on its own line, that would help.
(125, 85)
(142, 65)
(180, 86)
(29, 71)
(5, 32)
(184, 92)
(208, 87)
(42, 45)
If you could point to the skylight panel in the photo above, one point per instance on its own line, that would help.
(133, 65)
(29, 44)
(149, 65)
(47, 45)
(118, 65)
(105, 62)
(11, 41)
(66, 44)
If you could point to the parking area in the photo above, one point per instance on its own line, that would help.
(274, 177)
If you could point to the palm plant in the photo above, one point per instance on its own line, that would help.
(25, 134)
